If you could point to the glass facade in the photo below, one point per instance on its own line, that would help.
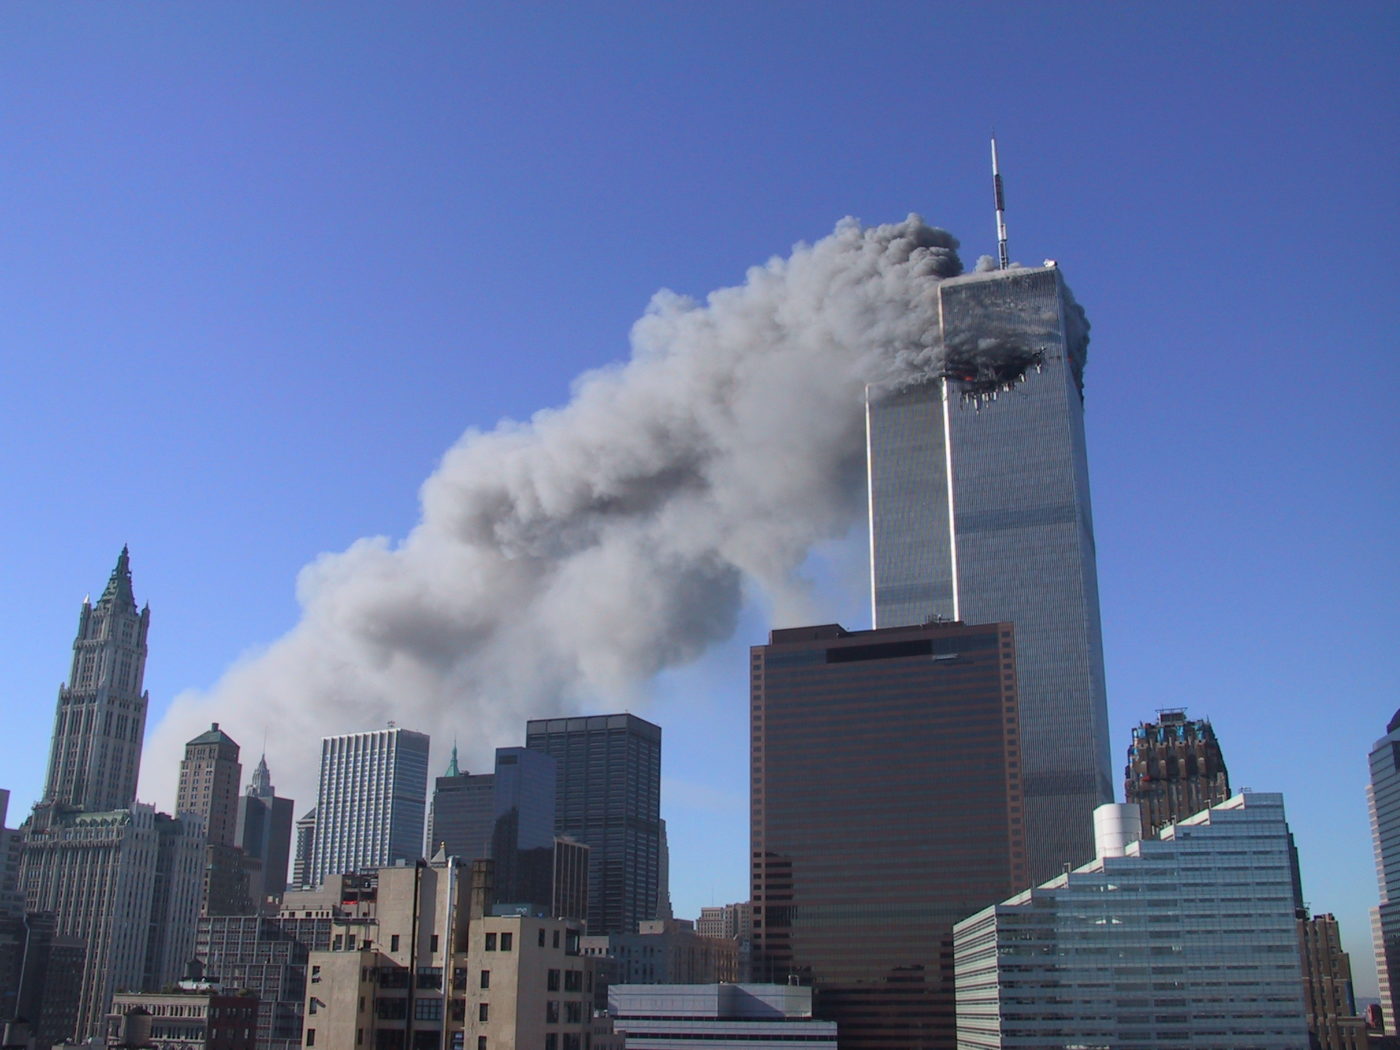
(979, 511)
(1383, 797)
(608, 796)
(886, 805)
(1187, 941)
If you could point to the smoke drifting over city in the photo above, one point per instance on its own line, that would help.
(561, 562)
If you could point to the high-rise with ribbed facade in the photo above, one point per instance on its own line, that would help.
(371, 801)
(979, 512)
(1383, 796)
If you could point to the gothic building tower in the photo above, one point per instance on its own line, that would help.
(117, 881)
(101, 717)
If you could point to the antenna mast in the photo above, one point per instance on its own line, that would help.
(1002, 257)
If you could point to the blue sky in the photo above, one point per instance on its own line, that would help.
(265, 264)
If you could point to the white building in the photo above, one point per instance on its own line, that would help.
(1188, 941)
(718, 1017)
(371, 802)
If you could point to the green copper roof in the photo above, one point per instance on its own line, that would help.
(452, 770)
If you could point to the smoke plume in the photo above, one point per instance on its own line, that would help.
(560, 563)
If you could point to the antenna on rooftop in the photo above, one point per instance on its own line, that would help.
(1002, 257)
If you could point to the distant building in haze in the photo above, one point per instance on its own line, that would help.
(886, 805)
(609, 798)
(304, 850)
(1383, 798)
(1188, 940)
(1175, 769)
(979, 512)
(121, 881)
(371, 801)
(264, 833)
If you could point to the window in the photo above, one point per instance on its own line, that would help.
(393, 942)
(556, 938)
(483, 1012)
(552, 981)
(573, 981)
(313, 1005)
(427, 1009)
(551, 1042)
(458, 1010)
(506, 939)
(490, 942)
(311, 1037)
(433, 943)
(486, 978)
(542, 937)
(481, 1042)
(573, 1012)
(551, 1011)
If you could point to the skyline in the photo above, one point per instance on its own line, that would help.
(242, 342)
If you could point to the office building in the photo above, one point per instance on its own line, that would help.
(1183, 941)
(463, 813)
(1383, 800)
(753, 1016)
(371, 800)
(264, 834)
(608, 796)
(305, 838)
(121, 880)
(886, 805)
(1175, 769)
(1327, 987)
(979, 512)
(665, 951)
(208, 791)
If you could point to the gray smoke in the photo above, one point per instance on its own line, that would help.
(561, 563)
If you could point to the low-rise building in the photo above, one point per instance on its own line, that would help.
(718, 1017)
(195, 1016)
(666, 951)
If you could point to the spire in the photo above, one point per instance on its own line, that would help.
(119, 585)
(452, 770)
(261, 784)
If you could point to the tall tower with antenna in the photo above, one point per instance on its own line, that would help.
(980, 512)
(1003, 259)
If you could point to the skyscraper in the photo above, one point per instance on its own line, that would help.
(463, 813)
(886, 805)
(208, 789)
(121, 880)
(1383, 799)
(264, 834)
(1175, 769)
(100, 723)
(609, 797)
(371, 801)
(979, 511)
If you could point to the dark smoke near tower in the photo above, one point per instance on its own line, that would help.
(563, 561)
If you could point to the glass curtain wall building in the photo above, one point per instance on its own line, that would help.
(1185, 941)
(886, 805)
(979, 511)
(608, 796)
(1383, 798)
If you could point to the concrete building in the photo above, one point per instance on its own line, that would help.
(718, 1017)
(1175, 769)
(120, 879)
(609, 797)
(1327, 987)
(371, 801)
(1184, 941)
(208, 790)
(665, 951)
(1383, 800)
(885, 805)
(191, 1017)
(979, 511)
(428, 966)
(264, 834)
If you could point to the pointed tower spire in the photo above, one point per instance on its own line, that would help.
(452, 770)
(261, 784)
(119, 584)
